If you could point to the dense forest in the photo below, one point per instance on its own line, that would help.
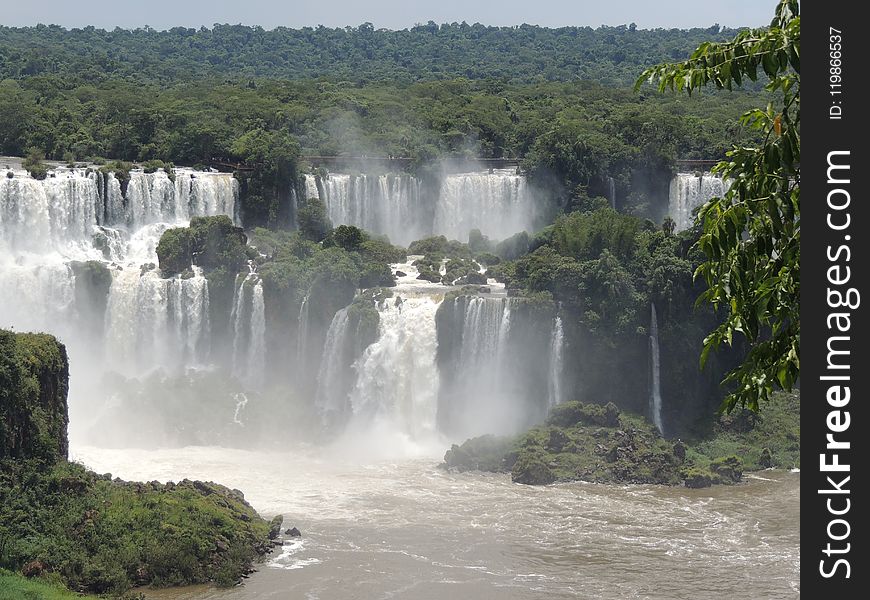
(528, 53)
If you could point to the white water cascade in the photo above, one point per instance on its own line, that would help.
(156, 322)
(611, 192)
(249, 330)
(83, 220)
(498, 203)
(557, 358)
(331, 396)
(397, 381)
(655, 397)
(390, 205)
(689, 191)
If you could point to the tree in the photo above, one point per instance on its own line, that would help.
(751, 235)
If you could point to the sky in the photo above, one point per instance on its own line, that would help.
(390, 14)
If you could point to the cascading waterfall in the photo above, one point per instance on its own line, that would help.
(156, 322)
(331, 394)
(483, 386)
(302, 323)
(689, 191)
(557, 358)
(249, 330)
(655, 397)
(611, 192)
(85, 220)
(390, 205)
(397, 381)
(498, 203)
(241, 402)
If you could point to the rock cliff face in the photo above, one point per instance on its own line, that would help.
(34, 376)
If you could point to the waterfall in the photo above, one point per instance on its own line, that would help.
(249, 330)
(484, 368)
(55, 214)
(156, 322)
(655, 397)
(76, 215)
(331, 392)
(389, 205)
(241, 402)
(498, 203)
(689, 191)
(397, 383)
(554, 382)
(302, 332)
(611, 192)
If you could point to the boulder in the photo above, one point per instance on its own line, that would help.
(293, 532)
(531, 468)
(697, 479)
(275, 526)
(766, 459)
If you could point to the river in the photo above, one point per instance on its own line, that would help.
(379, 527)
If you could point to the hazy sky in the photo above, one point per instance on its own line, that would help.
(392, 14)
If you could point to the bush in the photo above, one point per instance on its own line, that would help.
(314, 223)
(174, 251)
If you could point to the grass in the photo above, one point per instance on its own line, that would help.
(18, 587)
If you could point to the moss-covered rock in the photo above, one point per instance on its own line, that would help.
(728, 469)
(484, 453)
(569, 414)
(34, 373)
(532, 468)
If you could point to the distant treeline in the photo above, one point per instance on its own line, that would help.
(527, 53)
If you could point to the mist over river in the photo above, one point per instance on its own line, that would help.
(380, 527)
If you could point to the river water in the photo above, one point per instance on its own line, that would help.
(375, 527)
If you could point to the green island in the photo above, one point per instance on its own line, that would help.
(601, 444)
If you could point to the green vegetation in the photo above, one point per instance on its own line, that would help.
(598, 443)
(33, 387)
(208, 242)
(605, 269)
(18, 587)
(105, 536)
(32, 163)
(612, 55)
(751, 236)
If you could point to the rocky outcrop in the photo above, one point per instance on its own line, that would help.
(34, 373)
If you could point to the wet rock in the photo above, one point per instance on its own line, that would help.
(697, 480)
(531, 469)
(766, 459)
(401, 274)
(680, 451)
(729, 469)
(275, 526)
(34, 568)
(557, 440)
(293, 532)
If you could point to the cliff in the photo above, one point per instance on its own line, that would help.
(34, 376)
